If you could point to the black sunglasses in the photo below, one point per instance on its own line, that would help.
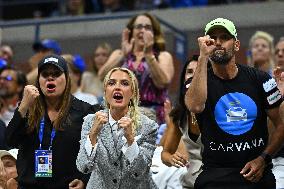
(7, 78)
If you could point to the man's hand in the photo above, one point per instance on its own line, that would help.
(206, 45)
(253, 170)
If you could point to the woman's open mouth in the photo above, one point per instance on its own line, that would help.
(51, 87)
(118, 97)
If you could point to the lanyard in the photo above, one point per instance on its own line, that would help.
(40, 134)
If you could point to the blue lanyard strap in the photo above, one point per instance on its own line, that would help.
(40, 133)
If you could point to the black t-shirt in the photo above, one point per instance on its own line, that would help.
(234, 121)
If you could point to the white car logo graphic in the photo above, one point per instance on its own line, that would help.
(236, 114)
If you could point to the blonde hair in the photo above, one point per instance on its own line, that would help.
(133, 107)
(105, 46)
(267, 37)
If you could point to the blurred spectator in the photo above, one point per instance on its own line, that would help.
(261, 52)
(6, 53)
(214, 2)
(42, 49)
(112, 6)
(76, 66)
(144, 4)
(279, 53)
(3, 64)
(91, 83)
(12, 83)
(8, 168)
(2, 135)
(278, 159)
(74, 8)
(187, 3)
(143, 52)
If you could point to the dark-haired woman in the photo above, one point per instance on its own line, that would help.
(47, 126)
(183, 125)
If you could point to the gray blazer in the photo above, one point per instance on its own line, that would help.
(109, 166)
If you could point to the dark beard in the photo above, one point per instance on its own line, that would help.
(221, 58)
(4, 94)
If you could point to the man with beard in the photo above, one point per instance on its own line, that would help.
(12, 83)
(232, 102)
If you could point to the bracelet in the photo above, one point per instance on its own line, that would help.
(266, 157)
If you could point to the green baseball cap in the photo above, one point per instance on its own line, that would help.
(222, 22)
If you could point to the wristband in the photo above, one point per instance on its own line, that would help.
(267, 157)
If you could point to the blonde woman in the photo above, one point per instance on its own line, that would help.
(117, 144)
(261, 52)
(91, 83)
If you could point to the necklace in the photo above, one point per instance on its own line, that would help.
(193, 119)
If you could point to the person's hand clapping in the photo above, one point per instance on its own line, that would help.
(126, 124)
(148, 37)
(29, 96)
(126, 44)
(206, 45)
(279, 77)
(100, 119)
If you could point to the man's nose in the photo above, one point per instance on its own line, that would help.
(218, 41)
(280, 52)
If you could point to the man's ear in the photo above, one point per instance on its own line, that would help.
(237, 45)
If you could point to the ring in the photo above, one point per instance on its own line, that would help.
(253, 176)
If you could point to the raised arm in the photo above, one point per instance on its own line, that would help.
(16, 129)
(196, 94)
(89, 135)
(161, 69)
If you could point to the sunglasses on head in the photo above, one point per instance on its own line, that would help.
(52, 73)
(7, 78)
